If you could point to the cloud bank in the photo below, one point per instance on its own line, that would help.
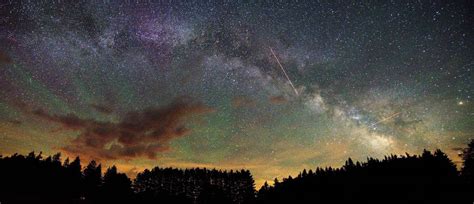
(138, 134)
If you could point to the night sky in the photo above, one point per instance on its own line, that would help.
(195, 84)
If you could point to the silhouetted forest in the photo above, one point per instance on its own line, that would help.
(429, 178)
(31, 178)
(426, 178)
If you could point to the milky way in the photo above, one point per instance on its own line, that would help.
(140, 84)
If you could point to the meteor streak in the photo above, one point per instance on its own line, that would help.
(387, 118)
(284, 72)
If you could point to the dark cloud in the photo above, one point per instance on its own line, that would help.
(278, 100)
(242, 101)
(102, 108)
(138, 134)
(70, 121)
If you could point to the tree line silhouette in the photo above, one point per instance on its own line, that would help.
(32, 179)
(201, 185)
(429, 177)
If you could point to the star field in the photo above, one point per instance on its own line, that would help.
(187, 84)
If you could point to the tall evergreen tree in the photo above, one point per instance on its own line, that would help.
(74, 174)
(116, 187)
(92, 180)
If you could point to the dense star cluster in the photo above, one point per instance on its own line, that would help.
(195, 84)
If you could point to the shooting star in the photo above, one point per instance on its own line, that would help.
(284, 72)
(387, 118)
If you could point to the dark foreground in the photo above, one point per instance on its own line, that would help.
(426, 178)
